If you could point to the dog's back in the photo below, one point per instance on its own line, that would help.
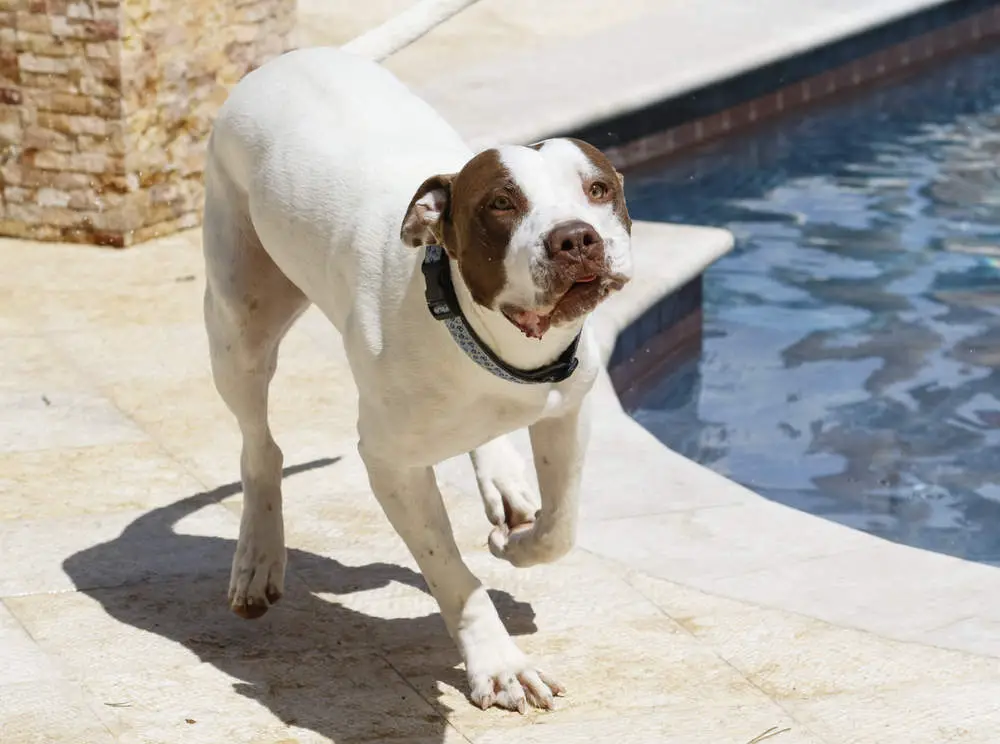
(318, 152)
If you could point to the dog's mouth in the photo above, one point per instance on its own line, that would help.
(582, 296)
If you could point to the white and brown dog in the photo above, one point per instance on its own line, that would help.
(460, 284)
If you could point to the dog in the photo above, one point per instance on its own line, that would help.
(460, 283)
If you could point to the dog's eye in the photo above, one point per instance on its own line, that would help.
(598, 190)
(502, 203)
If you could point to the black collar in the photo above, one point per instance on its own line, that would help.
(443, 306)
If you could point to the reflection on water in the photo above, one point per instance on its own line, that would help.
(852, 340)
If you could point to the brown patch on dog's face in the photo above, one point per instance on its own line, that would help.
(486, 207)
(472, 214)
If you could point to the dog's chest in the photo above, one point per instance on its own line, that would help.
(438, 428)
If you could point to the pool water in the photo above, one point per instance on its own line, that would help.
(851, 362)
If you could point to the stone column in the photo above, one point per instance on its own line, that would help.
(106, 107)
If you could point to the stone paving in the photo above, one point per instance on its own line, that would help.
(119, 514)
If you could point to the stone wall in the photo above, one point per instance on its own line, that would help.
(106, 106)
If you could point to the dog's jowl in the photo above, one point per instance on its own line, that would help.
(459, 282)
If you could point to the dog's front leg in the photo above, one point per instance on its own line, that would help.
(558, 445)
(499, 673)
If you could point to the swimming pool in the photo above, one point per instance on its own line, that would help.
(851, 361)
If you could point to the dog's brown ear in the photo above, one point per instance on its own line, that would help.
(427, 210)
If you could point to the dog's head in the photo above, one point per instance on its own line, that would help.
(539, 233)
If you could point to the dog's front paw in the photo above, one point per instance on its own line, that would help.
(257, 580)
(500, 674)
(530, 544)
(508, 497)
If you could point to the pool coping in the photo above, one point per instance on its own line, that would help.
(727, 59)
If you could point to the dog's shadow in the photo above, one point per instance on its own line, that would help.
(314, 663)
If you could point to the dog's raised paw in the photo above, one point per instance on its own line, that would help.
(509, 501)
(508, 496)
(530, 544)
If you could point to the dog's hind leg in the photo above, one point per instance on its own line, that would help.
(249, 306)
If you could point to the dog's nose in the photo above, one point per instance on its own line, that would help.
(573, 237)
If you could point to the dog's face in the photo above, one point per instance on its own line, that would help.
(539, 233)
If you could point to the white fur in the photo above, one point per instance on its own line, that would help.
(405, 28)
(311, 165)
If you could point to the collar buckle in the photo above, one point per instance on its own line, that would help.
(440, 309)
(439, 300)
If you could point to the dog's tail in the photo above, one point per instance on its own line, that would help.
(402, 30)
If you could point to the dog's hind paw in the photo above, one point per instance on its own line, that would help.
(257, 580)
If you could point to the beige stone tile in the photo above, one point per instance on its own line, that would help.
(716, 542)
(319, 696)
(171, 396)
(31, 364)
(176, 623)
(895, 591)
(624, 670)
(100, 631)
(36, 265)
(915, 714)
(726, 722)
(123, 354)
(976, 635)
(117, 305)
(19, 310)
(187, 417)
(167, 350)
(488, 30)
(309, 663)
(50, 419)
(23, 660)
(629, 473)
(189, 538)
(49, 712)
(53, 483)
(794, 657)
(683, 602)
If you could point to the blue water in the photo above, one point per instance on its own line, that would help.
(851, 362)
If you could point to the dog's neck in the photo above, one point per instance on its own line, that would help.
(504, 338)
